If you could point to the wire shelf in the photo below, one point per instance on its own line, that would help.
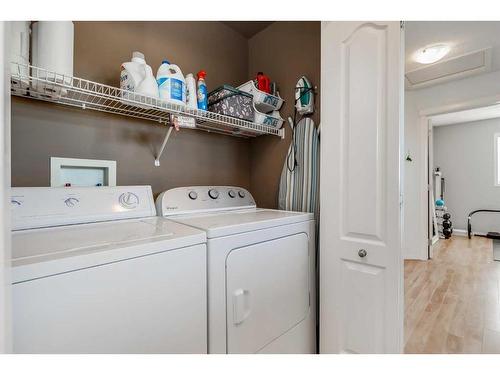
(37, 83)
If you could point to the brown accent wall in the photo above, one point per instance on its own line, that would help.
(41, 130)
(284, 51)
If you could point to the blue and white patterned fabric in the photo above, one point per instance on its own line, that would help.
(299, 188)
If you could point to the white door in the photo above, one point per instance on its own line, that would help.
(361, 283)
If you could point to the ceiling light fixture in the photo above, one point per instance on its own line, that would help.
(431, 54)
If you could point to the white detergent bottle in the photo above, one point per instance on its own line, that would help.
(132, 72)
(191, 99)
(148, 85)
(136, 76)
(171, 83)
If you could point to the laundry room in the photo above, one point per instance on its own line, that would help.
(201, 181)
(164, 150)
(231, 53)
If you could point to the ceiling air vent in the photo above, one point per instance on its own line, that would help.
(447, 70)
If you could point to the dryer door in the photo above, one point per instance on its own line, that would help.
(267, 291)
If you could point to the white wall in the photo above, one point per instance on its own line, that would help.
(413, 242)
(466, 155)
(5, 342)
(415, 231)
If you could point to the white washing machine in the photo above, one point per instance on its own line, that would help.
(261, 278)
(95, 271)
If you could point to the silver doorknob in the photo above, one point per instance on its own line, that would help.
(362, 253)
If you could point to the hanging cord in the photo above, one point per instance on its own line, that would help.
(292, 153)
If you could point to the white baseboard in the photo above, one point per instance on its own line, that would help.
(414, 255)
(463, 233)
(460, 232)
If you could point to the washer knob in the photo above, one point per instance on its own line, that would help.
(362, 253)
(214, 194)
(241, 193)
(71, 202)
(231, 193)
(193, 195)
(128, 200)
(15, 202)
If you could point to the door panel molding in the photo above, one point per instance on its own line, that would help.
(364, 132)
(363, 332)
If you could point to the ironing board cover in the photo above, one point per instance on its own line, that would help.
(299, 189)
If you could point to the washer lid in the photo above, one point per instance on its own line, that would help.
(47, 251)
(233, 222)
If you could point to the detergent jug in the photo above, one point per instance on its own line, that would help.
(137, 76)
(171, 83)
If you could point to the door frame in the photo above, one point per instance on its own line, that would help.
(426, 180)
(5, 182)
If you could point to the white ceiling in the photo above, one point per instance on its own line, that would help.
(463, 37)
(468, 115)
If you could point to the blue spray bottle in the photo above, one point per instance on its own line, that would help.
(202, 90)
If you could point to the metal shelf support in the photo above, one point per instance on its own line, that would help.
(162, 148)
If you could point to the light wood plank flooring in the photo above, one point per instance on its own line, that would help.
(452, 302)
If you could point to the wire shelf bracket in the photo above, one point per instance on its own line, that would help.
(162, 148)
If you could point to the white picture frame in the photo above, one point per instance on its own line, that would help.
(58, 166)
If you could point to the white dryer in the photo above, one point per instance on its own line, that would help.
(94, 270)
(261, 278)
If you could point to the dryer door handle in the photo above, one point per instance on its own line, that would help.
(241, 306)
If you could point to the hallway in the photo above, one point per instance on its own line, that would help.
(452, 303)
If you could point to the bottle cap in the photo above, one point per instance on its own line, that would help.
(165, 62)
(201, 74)
(138, 54)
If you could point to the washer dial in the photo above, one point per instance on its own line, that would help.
(15, 202)
(71, 202)
(128, 200)
(241, 193)
(231, 194)
(193, 195)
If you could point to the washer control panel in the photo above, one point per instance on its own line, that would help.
(203, 198)
(39, 207)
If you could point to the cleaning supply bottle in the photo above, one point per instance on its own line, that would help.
(191, 100)
(133, 73)
(171, 83)
(202, 90)
(148, 85)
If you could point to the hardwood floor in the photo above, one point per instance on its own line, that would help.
(452, 302)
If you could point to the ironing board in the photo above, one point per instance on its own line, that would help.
(299, 188)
